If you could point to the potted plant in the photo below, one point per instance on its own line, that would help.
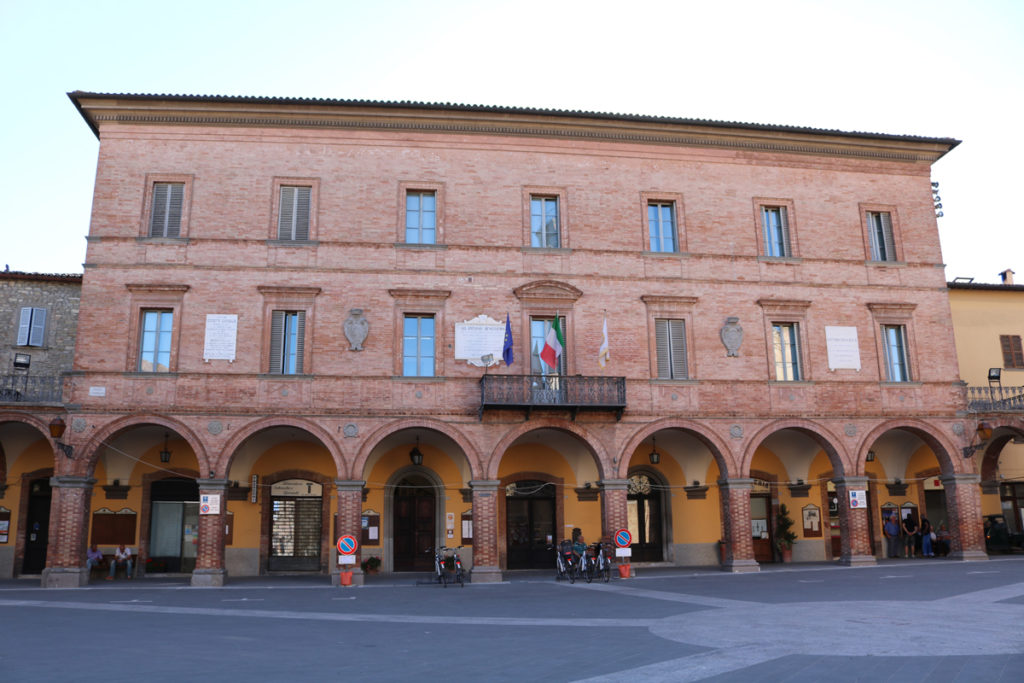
(784, 536)
(371, 565)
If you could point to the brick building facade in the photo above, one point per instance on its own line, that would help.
(294, 312)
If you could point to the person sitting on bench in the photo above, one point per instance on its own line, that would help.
(93, 558)
(122, 557)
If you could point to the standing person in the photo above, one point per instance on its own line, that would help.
(892, 536)
(910, 534)
(926, 538)
(93, 558)
(122, 556)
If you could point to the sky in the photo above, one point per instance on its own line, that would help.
(950, 69)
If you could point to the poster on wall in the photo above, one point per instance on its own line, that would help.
(221, 333)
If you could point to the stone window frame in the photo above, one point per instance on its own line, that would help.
(546, 299)
(421, 302)
(147, 297)
(275, 210)
(670, 308)
(151, 181)
(674, 198)
(787, 311)
(897, 236)
(900, 314)
(285, 298)
(404, 188)
(560, 194)
(761, 203)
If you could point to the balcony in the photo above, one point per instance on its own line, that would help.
(547, 392)
(30, 389)
(995, 399)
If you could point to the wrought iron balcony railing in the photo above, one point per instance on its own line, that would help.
(530, 392)
(30, 389)
(996, 399)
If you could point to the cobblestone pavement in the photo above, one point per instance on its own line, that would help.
(900, 621)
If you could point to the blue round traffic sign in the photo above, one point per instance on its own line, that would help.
(623, 538)
(347, 545)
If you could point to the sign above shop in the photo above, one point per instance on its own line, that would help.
(297, 487)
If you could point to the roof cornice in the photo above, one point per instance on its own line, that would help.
(99, 109)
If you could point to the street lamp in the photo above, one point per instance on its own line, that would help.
(165, 455)
(654, 455)
(416, 455)
(57, 427)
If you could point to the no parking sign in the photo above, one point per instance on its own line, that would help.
(858, 499)
(622, 541)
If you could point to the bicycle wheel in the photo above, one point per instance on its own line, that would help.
(588, 569)
(573, 569)
(459, 578)
(606, 569)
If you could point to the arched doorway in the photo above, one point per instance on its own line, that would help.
(37, 525)
(529, 523)
(173, 524)
(644, 514)
(414, 514)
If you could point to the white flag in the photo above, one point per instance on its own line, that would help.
(602, 354)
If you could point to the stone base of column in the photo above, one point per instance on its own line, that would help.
(485, 575)
(968, 556)
(741, 566)
(65, 577)
(209, 578)
(857, 561)
(358, 577)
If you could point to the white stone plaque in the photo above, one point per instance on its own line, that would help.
(221, 333)
(843, 348)
(481, 336)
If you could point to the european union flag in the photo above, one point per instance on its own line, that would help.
(506, 352)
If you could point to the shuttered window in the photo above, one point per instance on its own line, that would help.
(671, 341)
(775, 225)
(287, 342)
(1013, 354)
(32, 327)
(165, 219)
(882, 246)
(293, 218)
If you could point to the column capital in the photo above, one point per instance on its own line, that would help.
(484, 485)
(349, 485)
(852, 482)
(614, 484)
(72, 482)
(964, 479)
(736, 484)
(213, 484)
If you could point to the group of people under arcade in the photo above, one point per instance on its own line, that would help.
(122, 557)
(908, 539)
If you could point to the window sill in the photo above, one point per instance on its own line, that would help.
(414, 246)
(886, 264)
(293, 243)
(176, 241)
(791, 382)
(897, 385)
(546, 250)
(689, 381)
(403, 378)
(276, 375)
(780, 259)
(150, 375)
(667, 254)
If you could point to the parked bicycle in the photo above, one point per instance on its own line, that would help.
(439, 572)
(447, 561)
(566, 566)
(602, 560)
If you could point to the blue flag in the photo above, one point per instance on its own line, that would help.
(506, 353)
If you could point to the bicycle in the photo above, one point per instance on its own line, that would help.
(442, 575)
(602, 560)
(456, 564)
(566, 566)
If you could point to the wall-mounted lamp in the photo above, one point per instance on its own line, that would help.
(165, 455)
(22, 361)
(995, 376)
(416, 455)
(655, 456)
(984, 433)
(871, 456)
(57, 427)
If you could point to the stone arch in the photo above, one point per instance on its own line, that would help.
(589, 440)
(326, 516)
(387, 513)
(940, 445)
(469, 451)
(111, 429)
(988, 464)
(823, 436)
(719, 449)
(227, 453)
(36, 423)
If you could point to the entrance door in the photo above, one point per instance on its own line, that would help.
(37, 526)
(173, 525)
(414, 523)
(530, 525)
(643, 510)
(296, 526)
(761, 527)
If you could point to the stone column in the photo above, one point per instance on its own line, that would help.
(963, 505)
(853, 524)
(613, 506)
(739, 544)
(69, 528)
(348, 522)
(485, 531)
(210, 570)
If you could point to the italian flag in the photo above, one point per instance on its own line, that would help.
(553, 344)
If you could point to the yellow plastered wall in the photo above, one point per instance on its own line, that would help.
(979, 318)
(36, 456)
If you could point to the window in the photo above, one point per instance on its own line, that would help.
(165, 212)
(894, 338)
(293, 216)
(287, 342)
(420, 217)
(661, 224)
(539, 328)
(32, 327)
(775, 228)
(786, 348)
(880, 230)
(544, 225)
(1013, 355)
(418, 346)
(671, 346)
(155, 343)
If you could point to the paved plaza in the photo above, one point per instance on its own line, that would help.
(909, 620)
